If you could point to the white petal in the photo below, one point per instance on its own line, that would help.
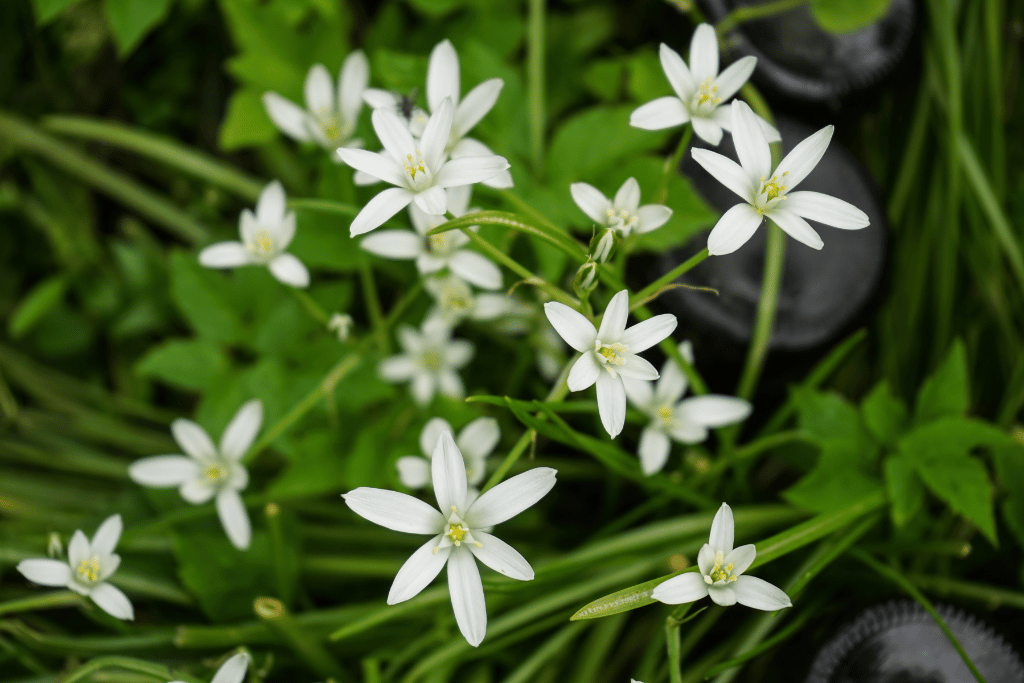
(733, 230)
(288, 269)
(734, 76)
(796, 227)
(45, 572)
(468, 147)
(234, 518)
(458, 352)
(741, 558)
(653, 450)
(290, 118)
(355, 74)
(467, 593)
(707, 130)
(398, 368)
(759, 594)
(584, 372)
(826, 209)
(664, 112)
(490, 306)
(647, 333)
(678, 74)
(723, 529)
(611, 403)
(319, 90)
(112, 601)
(469, 170)
(501, 557)
(225, 255)
(637, 368)
(476, 104)
(196, 492)
(242, 429)
(652, 217)
(448, 473)
(379, 209)
(378, 98)
(450, 384)
(706, 559)
(442, 75)
(638, 392)
(672, 383)
(78, 548)
(435, 135)
(571, 325)
(433, 201)
(285, 230)
(628, 196)
(727, 172)
(393, 133)
(107, 535)
(686, 587)
(418, 571)
(479, 437)
(233, 670)
(476, 269)
(715, 411)
(378, 165)
(248, 226)
(613, 323)
(395, 510)
(751, 146)
(423, 388)
(458, 197)
(413, 471)
(685, 430)
(394, 244)
(431, 435)
(803, 158)
(591, 201)
(510, 497)
(193, 439)
(704, 53)
(723, 595)
(163, 470)
(270, 207)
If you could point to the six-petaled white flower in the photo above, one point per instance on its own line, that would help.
(265, 236)
(624, 213)
(457, 302)
(475, 442)
(721, 574)
(430, 361)
(768, 193)
(609, 353)
(458, 533)
(330, 116)
(700, 91)
(89, 566)
(231, 671)
(206, 471)
(418, 170)
(671, 419)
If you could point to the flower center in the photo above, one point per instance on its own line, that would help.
(262, 245)
(431, 359)
(665, 415)
(456, 532)
(330, 124)
(89, 570)
(771, 192)
(414, 165)
(438, 244)
(623, 220)
(611, 354)
(718, 572)
(214, 473)
(707, 95)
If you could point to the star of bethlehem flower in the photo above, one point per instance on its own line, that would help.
(418, 169)
(231, 671)
(459, 530)
(265, 236)
(430, 361)
(455, 301)
(768, 193)
(331, 115)
(700, 91)
(436, 252)
(475, 442)
(684, 421)
(721, 574)
(609, 353)
(89, 565)
(205, 471)
(623, 214)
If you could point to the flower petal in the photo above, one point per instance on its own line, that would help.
(685, 430)
(734, 76)
(613, 323)
(707, 130)
(394, 510)
(458, 352)
(706, 559)
(448, 473)
(270, 207)
(319, 90)
(379, 209)
(423, 388)
(442, 75)
(637, 368)
(476, 104)
(469, 170)
(400, 245)
(355, 74)
(826, 209)
(723, 528)
(704, 53)
(722, 594)
(241, 431)
(225, 255)
(652, 217)
(751, 146)
(163, 470)
(233, 670)
(377, 98)
(435, 135)
(571, 325)
(591, 201)
(759, 594)
(673, 381)
(638, 392)
(628, 196)
(290, 118)
(510, 497)
(715, 411)
(112, 601)
(234, 518)
(584, 372)
(741, 558)
(796, 227)
(107, 535)
(289, 270)
(432, 201)
(431, 435)
(733, 230)
(611, 403)
(501, 557)
(686, 587)
(418, 571)
(479, 437)
(664, 112)
(653, 450)
(393, 133)
(727, 172)
(398, 368)
(413, 471)
(380, 166)
(78, 548)
(468, 147)
(467, 593)
(647, 333)
(802, 159)
(678, 74)
(476, 269)
(45, 572)
(195, 491)
(193, 439)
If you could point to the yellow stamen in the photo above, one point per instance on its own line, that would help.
(90, 569)
(414, 165)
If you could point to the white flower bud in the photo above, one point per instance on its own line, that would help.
(602, 246)
(341, 324)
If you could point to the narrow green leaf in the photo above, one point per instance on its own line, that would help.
(904, 489)
(624, 600)
(43, 298)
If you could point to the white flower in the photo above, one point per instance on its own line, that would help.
(456, 301)
(609, 354)
(206, 471)
(231, 671)
(417, 169)
(457, 532)
(767, 193)
(624, 214)
(700, 91)
(721, 568)
(430, 360)
(265, 236)
(442, 82)
(682, 421)
(328, 121)
(435, 252)
(475, 442)
(340, 324)
(89, 566)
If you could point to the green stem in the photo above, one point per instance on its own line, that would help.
(278, 549)
(752, 12)
(42, 601)
(994, 67)
(991, 597)
(126, 663)
(371, 299)
(675, 674)
(672, 165)
(323, 206)
(654, 289)
(311, 306)
(275, 615)
(535, 77)
(529, 210)
(771, 284)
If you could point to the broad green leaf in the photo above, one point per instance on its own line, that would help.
(317, 469)
(946, 391)
(962, 482)
(884, 414)
(131, 20)
(246, 122)
(951, 435)
(834, 483)
(831, 419)
(435, 8)
(604, 78)
(647, 79)
(48, 9)
(904, 489)
(322, 241)
(591, 141)
(199, 294)
(41, 300)
(844, 16)
(192, 364)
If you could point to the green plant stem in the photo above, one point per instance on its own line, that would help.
(752, 12)
(675, 674)
(42, 601)
(536, 41)
(323, 206)
(771, 284)
(990, 596)
(754, 448)
(276, 616)
(653, 289)
(994, 68)
(311, 306)
(672, 165)
(911, 590)
(85, 671)
(278, 549)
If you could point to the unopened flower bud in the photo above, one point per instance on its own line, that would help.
(341, 324)
(54, 548)
(602, 245)
(586, 279)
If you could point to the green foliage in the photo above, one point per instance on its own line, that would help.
(246, 122)
(591, 141)
(185, 364)
(884, 414)
(844, 16)
(946, 391)
(43, 298)
(131, 20)
(46, 10)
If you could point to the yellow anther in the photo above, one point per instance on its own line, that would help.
(414, 165)
(263, 243)
(457, 533)
(431, 359)
(665, 413)
(214, 472)
(90, 569)
(613, 354)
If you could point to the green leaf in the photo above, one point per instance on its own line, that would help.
(192, 364)
(834, 483)
(199, 294)
(1009, 461)
(844, 16)
(884, 414)
(831, 419)
(604, 78)
(316, 470)
(646, 77)
(952, 435)
(131, 20)
(246, 122)
(904, 489)
(946, 391)
(43, 299)
(48, 9)
(591, 141)
(624, 600)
